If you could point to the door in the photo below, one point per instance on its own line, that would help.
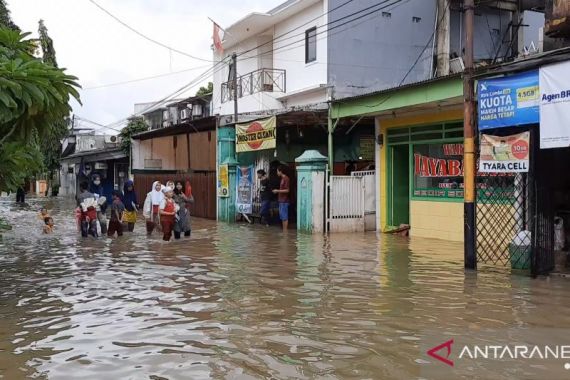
(400, 185)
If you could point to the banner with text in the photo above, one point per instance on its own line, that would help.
(244, 200)
(257, 135)
(509, 101)
(223, 181)
(555, 106)
(507, 154)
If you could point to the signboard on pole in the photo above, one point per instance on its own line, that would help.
(257, 135)
(244, 200)
(509, 101)
(555, 106)
(507, 154)
(223, 181)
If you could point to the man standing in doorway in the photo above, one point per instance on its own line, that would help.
(283, 196)
(264, 195)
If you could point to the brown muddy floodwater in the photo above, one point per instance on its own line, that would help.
(247, 302)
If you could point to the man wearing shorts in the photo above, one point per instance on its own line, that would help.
(283, 197)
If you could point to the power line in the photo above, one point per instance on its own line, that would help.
(144, 79)
(417, 59)
(215, 69)
(146, 37)
(298, 27)
(395, 4)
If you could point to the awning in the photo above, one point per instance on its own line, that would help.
(97, 155)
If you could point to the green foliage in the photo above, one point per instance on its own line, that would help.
(18, 163)
(135, 125)
(34, 101)
(5, 19)
(202, 91)
(33, 95)
(46, 43)
(51, 146)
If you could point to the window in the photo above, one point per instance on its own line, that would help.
(438, 170)
(311, 45)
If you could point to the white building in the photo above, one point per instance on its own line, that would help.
(281, 60)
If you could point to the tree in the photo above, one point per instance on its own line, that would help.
(34, 97)
(202, 91)
(51, 143)
(5, 19)
(48, 51)
(134, 126)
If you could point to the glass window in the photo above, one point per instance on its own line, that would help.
(438, 171)
(311, 45)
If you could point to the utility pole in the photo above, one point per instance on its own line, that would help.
(469, 140)
(443, 14)
(235, 90)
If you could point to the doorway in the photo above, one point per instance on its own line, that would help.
(399, 186)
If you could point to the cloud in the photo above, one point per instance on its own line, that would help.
(99, 50)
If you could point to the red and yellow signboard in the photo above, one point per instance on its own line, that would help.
(257, 135)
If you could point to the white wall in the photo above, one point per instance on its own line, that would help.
(281, 55)
(290, 55)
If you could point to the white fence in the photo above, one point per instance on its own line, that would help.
(346, 212)
(369, 198)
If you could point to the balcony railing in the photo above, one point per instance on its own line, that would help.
(262, 80)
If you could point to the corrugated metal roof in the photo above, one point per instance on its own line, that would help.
(392, 89)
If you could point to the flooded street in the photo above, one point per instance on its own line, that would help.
(246, 302)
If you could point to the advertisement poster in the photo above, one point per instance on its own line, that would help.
(438, 171)
(509, 101)
(508, 154)
(244, 201)
(367, 146)
(257, 135)
(223, 181)
(555, 106)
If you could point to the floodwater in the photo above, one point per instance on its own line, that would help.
(247, 302)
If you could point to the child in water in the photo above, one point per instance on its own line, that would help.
(117, 210)
(49, 225)
(168, 209)
(43, 213)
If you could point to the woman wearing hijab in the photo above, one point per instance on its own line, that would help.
(183, 218)
(130, 202)
(152, 207)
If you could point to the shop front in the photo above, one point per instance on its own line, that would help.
(267, 143)
(418, 155)
(523, 205)
(422, 175)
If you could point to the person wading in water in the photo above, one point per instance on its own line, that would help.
(130, 201)
(168, 209)
(283, 196)
(183, 218)
(151, 207)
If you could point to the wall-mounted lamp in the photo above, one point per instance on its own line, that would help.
(380, 140)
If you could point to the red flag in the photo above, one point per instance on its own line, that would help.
(218, 38)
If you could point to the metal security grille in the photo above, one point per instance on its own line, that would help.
(503, 220)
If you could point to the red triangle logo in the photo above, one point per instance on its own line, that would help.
(433, 353)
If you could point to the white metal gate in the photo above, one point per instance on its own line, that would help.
(369, 198)
(346, 204)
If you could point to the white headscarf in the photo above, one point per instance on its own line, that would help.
(156, 196)
(167, 189)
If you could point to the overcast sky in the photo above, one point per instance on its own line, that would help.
(100, 51)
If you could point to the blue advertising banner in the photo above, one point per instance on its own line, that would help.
(509, 101)
(244, 200)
